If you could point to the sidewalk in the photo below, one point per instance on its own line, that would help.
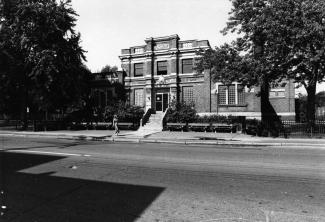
(235, 139)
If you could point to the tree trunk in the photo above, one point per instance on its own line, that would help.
(271, 123)
(270, 120)
(24, 117)
(311, 94)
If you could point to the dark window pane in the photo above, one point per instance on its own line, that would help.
(162, 68)
(187, 65)
(138, 69)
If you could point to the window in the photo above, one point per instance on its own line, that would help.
(138, 97)
(188, 94)
(231, 95)
(187, 65)
(222, 95)
(138, 69)
(162, 68)
(241, 94)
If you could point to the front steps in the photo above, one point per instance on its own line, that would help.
(154, 125)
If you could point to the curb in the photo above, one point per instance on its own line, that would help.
(165, 141)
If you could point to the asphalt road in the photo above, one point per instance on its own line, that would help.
(67, 180)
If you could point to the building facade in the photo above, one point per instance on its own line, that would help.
(162, 71)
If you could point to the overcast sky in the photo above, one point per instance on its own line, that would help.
(107, 26)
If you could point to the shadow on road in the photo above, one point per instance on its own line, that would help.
(44, 197)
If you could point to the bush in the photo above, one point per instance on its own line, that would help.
(125, 113)
(181, 113)
(219, 119)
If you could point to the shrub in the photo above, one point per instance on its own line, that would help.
(219, 119)
(125, 113)
(181, 113)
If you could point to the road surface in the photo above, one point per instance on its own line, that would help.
(67, 180)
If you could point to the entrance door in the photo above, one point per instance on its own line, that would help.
(161, 102)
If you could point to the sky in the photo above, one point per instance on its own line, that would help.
(107, 26)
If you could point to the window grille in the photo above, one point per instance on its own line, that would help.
(138, 97)
(231, 95)
(222, 95)
(188, 94)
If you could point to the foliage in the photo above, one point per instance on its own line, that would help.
(227, 65)
(125, 112)
(288, 36)
(109, 68)
(181, 113)
(44, 61)
(218, 119)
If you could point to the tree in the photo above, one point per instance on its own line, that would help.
(206, 62)
(290, 35)
(109, 68)
(44, 55)
(277, 40)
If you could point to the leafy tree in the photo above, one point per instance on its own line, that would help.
(278, 40)
(109, 68)
(44, 59)
(227, 65)
(289, 36)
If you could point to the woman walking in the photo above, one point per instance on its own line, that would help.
(115, 122)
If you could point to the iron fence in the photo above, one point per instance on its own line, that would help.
(294, 129)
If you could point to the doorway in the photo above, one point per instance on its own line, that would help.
(162, 101)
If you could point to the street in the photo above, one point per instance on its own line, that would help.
(68, 180)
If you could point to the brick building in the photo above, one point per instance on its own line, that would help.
(107, 87)
(161, 71)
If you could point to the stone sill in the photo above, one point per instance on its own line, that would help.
(232, 105)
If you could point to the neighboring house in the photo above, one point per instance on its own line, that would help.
(107, 87)
(162, 70)
(320, 105)
(237, 100)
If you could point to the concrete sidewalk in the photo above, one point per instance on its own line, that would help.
(173, 137)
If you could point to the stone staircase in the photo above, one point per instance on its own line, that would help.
(154, 125)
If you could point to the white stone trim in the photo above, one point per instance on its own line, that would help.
(135, 78)
(287, 114)
(187, 74)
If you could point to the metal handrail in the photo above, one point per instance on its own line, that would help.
(163, 119)
(145, 117)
